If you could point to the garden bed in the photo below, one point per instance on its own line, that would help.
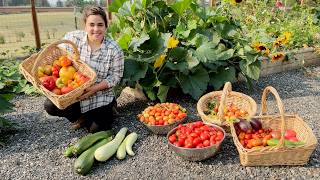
(301, 57)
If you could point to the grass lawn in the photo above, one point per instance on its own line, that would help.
(17, 30)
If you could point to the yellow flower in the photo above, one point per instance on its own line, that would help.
(260, 47)
(283, 39)
(278, 56)
(286, 36)
(158, 63)
(172, 43)
(235, 2)
(279, 41)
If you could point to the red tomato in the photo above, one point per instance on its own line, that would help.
(198, 123)
(293, 139)
(200, 146)
(196, 141)
(212, 143)
(275, 134)
(173, 138)
(193, 134)
(204, 136)
(177, 143)
(206, 143)
(289, 133)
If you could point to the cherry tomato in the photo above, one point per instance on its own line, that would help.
(173, 138)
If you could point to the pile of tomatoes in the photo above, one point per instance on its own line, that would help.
(162, 114)
(196, 135)
(231, 111)
(253, 138)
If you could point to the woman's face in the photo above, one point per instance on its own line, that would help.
(95, 27)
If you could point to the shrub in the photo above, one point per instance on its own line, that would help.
(180, 45)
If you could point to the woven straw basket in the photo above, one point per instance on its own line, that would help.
(52, 52)
(280, 154)
(240, 100)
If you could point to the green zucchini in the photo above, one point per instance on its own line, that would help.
(85, 142)
(131, 139)
(68, 152)
(104, 152)
(121, 152)
(84, 162)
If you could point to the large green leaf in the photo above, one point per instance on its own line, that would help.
(137, 41)
(198, 40)
(209, 52)
(178, 54)
(226, 30)
(181, 66)
(162, 93)
(180, 6)
(195, 83)
(134, 70)
(115, 5)
(5, 105)
(252, 70)
(182, 31)
(127, 9)
(218, 79)
(150, 80)
(124, 41)
(192, 59)
(150, 93)
(140, 4)
(168, 77)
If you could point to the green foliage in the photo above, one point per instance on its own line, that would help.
(264, 22)
(2, 39)
(11, 81)
(180, 45)
(5, 126)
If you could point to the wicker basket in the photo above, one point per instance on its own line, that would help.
(52, 52)
(242, 101)
(280, 154)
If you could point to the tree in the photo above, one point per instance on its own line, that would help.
(59, 3)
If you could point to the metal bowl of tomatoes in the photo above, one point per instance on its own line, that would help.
(162, 117)
(196, 141)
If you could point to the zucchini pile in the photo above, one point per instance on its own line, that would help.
(100, 146)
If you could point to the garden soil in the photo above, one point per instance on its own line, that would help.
(35, 151)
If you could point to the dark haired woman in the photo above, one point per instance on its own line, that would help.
(94, 111)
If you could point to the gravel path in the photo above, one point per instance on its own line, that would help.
(35, 152)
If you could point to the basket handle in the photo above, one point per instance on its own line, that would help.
(44, 52)
(226, 90)
(281, 110)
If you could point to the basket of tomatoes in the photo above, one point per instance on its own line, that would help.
(162, 117)
(59, 75)
(223, 107)
(266, 140)
(196, 141)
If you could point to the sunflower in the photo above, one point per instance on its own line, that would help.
(286, 36)
(172, 43)
(278, 56)
(159, 61)
(278, 42)
(235, 2)
(260, 47)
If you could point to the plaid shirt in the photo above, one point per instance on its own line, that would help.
(108, 62)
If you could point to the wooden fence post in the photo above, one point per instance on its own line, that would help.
(35, 25)
(108, 2)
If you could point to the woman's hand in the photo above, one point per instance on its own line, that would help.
(93, 89)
